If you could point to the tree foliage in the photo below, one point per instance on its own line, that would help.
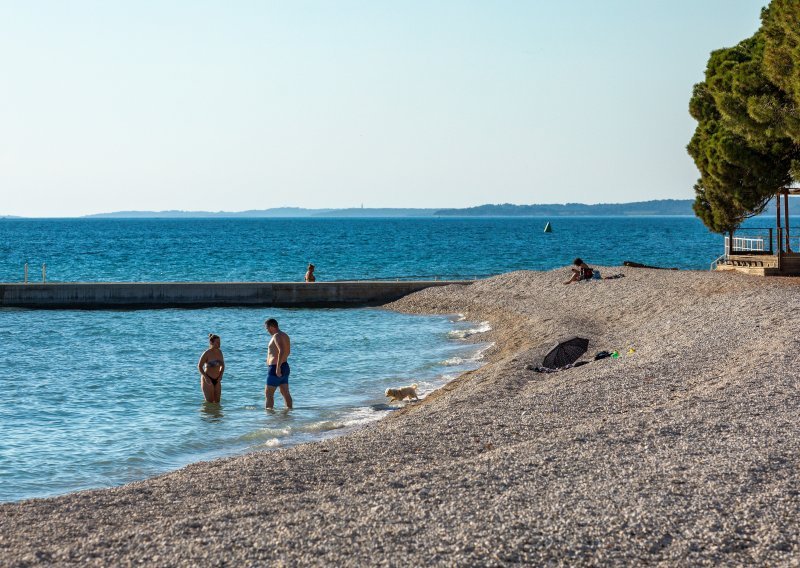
(781, 28)
(744, 145)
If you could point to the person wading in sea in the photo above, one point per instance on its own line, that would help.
(211, 367)
(278, 352)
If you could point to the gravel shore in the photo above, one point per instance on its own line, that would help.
(685, 451)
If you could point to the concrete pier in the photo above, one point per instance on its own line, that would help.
(150, 295)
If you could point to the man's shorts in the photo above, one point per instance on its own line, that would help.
(273, 380)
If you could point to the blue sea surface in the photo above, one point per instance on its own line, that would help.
(93, 250)
(94, 399)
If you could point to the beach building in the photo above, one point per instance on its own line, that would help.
(765, 251)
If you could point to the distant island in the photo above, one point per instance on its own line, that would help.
(654, 207)
(285, 212)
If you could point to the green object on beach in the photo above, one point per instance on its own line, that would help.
(548, 228)
(615, 354)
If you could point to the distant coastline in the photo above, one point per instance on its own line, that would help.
(671, 207)
(655, 207)
(281, 212)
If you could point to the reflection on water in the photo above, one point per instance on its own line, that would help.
(211, 412)
(284, 413)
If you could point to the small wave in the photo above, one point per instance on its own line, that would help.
(263, 433)
(469, 360)
(483, 327)
(323, 426)
(481, 352)
(365, 415)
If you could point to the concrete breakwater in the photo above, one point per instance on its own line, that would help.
(149, 295)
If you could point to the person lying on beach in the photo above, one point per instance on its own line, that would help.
(211, 367)
(278, 351)
(310, 274)
(582, 272)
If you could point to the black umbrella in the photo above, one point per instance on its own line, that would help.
(565, 353)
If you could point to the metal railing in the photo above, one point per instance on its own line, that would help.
(753, 240)
(715, 263)
(750, 240)
(25, 273)
(793, 242)
(747, 244)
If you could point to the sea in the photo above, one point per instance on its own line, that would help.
(101, 398)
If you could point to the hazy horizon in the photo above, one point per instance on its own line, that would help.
(411, 212)
(249, 105)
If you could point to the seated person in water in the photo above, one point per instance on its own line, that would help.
(310, 274)
(211, 367)
(582, 272)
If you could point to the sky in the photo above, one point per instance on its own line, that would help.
(236, 105)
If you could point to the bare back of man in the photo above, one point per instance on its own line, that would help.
(278, 351)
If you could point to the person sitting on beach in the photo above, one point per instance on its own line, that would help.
(278, 370)
(211, 367)
(582, 272)
(310, 274)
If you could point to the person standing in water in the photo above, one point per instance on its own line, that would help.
(310, 274)
(211, 367)
(278, 370)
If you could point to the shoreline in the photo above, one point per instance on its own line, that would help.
(686, 451)
(453, 351)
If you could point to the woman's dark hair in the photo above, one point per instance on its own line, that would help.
(271, 322)
(577, 262)
(212, 337)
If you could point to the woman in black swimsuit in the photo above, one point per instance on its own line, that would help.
(211, 367)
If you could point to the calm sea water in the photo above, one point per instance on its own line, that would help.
(94, 399)
(279, 249)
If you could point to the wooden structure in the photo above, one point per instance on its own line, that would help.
(764, 251)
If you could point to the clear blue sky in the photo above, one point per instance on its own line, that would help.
(233, 105)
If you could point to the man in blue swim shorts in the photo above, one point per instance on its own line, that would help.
(278, 370)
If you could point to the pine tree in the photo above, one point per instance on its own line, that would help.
(746, 144)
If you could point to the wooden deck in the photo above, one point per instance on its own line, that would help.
(762, 264)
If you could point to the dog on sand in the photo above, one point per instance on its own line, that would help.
(402, 393)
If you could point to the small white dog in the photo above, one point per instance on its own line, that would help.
(401, 393)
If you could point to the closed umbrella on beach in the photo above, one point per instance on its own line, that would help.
(566, 353)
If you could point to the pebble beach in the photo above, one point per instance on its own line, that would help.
(685, 450)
